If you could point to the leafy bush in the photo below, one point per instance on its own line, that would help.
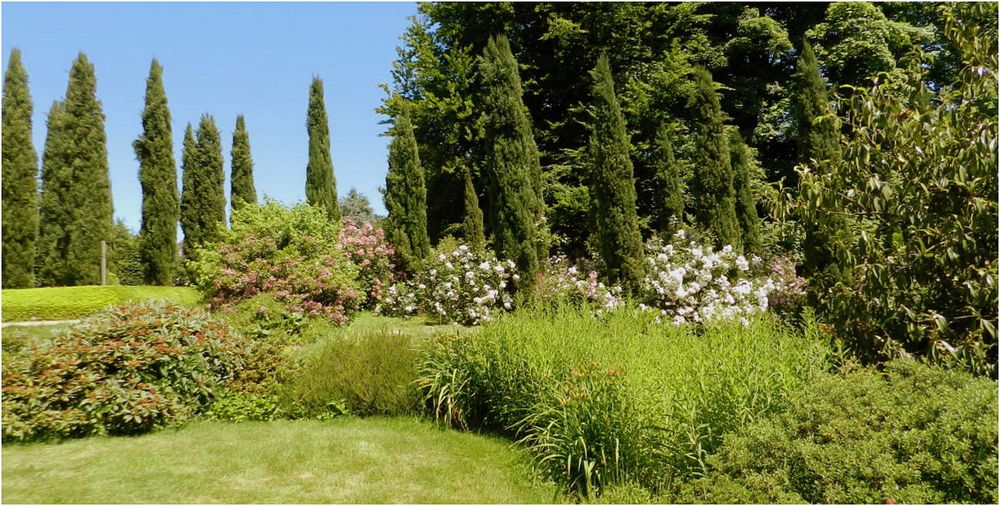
(367, 247)
(455, 286)
(371, 373)
(125, 371)
(231, 406)
(615, 399)
(913, 434)
(789, 295)
(74, 302)
(575, 282)
(288, 252)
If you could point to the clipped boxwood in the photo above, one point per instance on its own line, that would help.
(910, 434)
(75, 302)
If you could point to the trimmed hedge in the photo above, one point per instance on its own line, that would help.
(74, 302)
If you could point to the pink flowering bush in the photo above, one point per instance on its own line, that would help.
(365, 245)
(688, 282)
(457, 286)
(291, 253)
(575, 281)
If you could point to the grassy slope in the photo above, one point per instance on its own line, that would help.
(342, 461)
(72, 302)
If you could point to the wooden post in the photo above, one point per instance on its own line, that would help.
(104, 263)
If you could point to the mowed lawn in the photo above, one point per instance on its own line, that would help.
(349, 460)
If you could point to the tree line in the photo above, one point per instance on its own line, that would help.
(52, 231)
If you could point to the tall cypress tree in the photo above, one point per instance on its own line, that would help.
(472, 224)
(406, 197)
(158, 177)
(20, 167)
(712, 187)
(669, 187)
(203, 204)
(78, 214)
(745, 172)
(321, 185)
(612, 184)
(242, 189)
(818, 134)
(512, 164)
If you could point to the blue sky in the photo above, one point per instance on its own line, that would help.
(223, 59)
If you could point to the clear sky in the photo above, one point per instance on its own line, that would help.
(223, 59)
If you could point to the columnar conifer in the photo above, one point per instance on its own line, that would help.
(20, 168)
(203, 203)
(321, 185)
(242, 189)
(612, 184)
(712, 186)
(406, 197)
(158, 177)
(472, 224)
(76, 210)
(669, 187)
(512, 165)
(745, 172)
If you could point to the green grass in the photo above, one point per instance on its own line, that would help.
(73, 302)
(19, 338)
(347, 460)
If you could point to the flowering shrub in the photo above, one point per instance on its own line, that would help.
(125, 371)
(789, 296)
(289, 252)
(575, 282)
(459, 286)
(366, 246)
(694, 283)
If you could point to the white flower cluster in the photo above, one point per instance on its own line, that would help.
(461, 287)
(693, 283)
(573, 281)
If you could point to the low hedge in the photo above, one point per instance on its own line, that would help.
(75, 302)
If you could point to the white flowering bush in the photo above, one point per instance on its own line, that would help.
(459, 286)
(575, 281)
(688, 282)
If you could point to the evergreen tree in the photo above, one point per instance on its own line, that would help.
(712, 187)
(241, 180)
(77, 215)
(20, 167)
(356, 207)
(158, 177)
(818, 130)
(203, 204)
(669, 187)
(745, 172)
(406, 197)
(321, 186)
(472, 225)
(612, 184)
(512, 165)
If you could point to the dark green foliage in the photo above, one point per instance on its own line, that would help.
(669, 185)
(203, 203)
(512, 165)
(242, 189)
(125, 265)
(746, 175)
(472, 224)
(158, 177)
(406, 198)
(369, 373)
(612, 185)
(712, 185)
(76, 211)
(20, 168)
(126, 371)
(913, 434)
(355, 207)
(321, 186)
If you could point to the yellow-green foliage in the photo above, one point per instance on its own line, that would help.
(73, 302)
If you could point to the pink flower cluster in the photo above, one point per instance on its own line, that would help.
(367, 248)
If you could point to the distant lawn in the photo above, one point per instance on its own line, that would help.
(346, 460)
(73, 302)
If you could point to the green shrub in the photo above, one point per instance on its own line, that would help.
(125, 371)
(74, 302)
(231, 406)
(368, 373)
(910, 434)
(615, 399)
